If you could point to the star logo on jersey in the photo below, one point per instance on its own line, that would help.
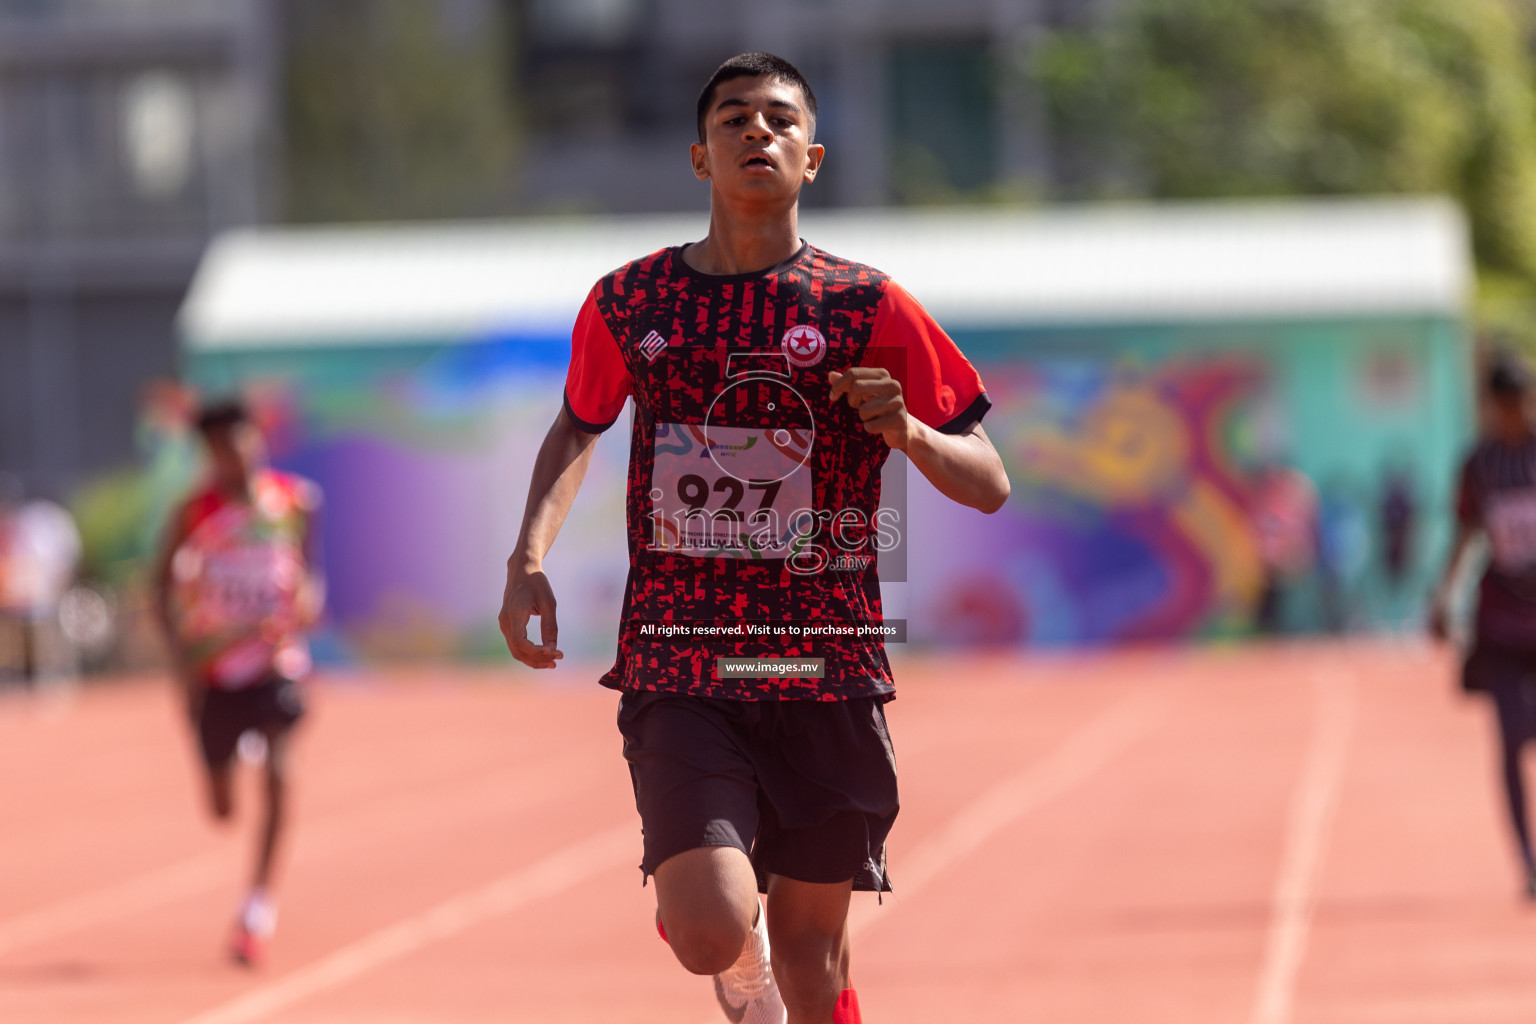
(804, 345)
(652, 345)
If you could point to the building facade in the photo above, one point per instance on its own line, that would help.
(920, 100)
(131, 132)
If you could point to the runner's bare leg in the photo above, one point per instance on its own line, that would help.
(808, 932)
(277, 804)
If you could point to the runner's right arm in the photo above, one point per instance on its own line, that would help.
(1440, 604)
(1469, 523)
(557, 476)
(597, 385)
(191, 686)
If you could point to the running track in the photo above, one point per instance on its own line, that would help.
(1244, 836)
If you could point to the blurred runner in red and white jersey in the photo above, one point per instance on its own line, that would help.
(237, 585)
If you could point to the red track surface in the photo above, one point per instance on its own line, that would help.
(1251, 836)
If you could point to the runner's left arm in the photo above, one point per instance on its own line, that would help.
(186, 679)
(1439, 608)
(963, 467)
(917, 391)
(1469, 524)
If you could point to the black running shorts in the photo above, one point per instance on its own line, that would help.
(805, 788)
(272, 705)
(1509, 677)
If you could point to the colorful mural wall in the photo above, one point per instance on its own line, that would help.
(1200, 481)
(424, 452)
(1143, 461)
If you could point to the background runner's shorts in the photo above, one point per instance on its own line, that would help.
(274, 704)
(1509, 677)
(806, 788)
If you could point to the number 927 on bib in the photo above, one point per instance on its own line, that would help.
(730, 492)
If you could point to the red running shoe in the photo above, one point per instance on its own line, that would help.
(247, 947)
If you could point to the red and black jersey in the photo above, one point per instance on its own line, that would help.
(1498, 496)
(753, 499)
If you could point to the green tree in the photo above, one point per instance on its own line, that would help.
(391, 114)
(1195, 98)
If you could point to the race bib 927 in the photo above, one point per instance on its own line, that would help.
(730, 492)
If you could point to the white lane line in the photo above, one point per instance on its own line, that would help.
(561, 870)
(1074, 762)
(327, 837)
(1313, 805)
(136, 895)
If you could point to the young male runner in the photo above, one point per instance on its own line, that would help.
(1498, 498)
(236, 586)
(771, 380)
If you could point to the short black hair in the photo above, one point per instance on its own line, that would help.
(1508, 376)
(221, 415)
(756, 65)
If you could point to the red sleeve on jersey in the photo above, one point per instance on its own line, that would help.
(598, 382)
(300, 493)
(198, 508)
(1469, 511)
(940, 386)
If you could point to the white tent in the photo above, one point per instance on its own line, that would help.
(276, 287)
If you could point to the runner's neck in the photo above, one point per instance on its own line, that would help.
(745, 245)
(1516, 438)
(242, 491)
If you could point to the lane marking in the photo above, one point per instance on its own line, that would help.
(1505, 1004)
(564, 869)
(145, 892)
(324, 838)
(1314, 803)
(1076, 760)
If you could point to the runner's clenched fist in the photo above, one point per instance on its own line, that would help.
(876, 396)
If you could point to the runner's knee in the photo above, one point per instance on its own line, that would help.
(706, 946)
(708, 900)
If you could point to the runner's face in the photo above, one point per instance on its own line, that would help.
(1510, 417)
(757, 140)
(237, 452)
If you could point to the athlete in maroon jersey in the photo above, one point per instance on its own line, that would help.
(770, 382)
(236, 587)
(1497, 499)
